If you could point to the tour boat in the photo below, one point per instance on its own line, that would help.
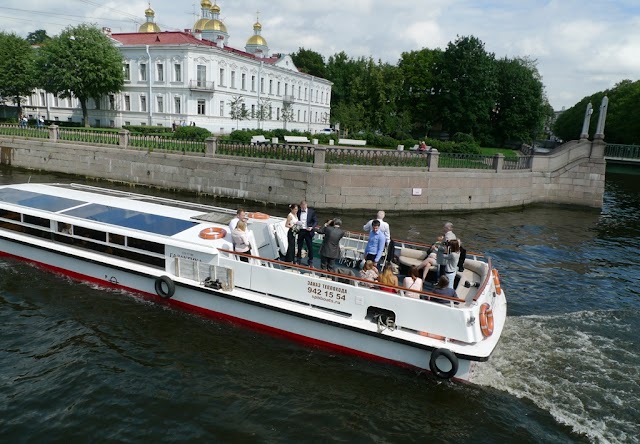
(182, 254)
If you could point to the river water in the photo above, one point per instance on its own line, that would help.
(80, 363)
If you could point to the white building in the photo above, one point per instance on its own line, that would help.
(194, 77)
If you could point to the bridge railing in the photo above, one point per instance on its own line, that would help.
(622, 151)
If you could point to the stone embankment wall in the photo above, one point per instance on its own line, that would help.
(572, 174)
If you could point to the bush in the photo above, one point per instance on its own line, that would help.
(191, 133)
(147, 129)
(463, 138)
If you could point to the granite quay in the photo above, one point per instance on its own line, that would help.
(325, 176)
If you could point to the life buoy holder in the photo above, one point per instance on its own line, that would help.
(486, 320)
(165, 288)
(257, 215)
(450, 356)
(213, 233)
(496, 281)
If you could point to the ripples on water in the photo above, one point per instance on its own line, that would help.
(82, 363)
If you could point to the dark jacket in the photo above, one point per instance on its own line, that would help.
(312, 220)
(331, 243)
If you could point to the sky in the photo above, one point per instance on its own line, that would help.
(581, 46)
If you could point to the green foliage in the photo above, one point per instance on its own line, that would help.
(80, 62)
(17, 69)
(148, 130)
(238, 109)
(463, 137)
(191, 133)
(38, 37)
(309, 62)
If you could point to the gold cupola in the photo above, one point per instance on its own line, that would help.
(257, 45)
(149, 25)
(215, 24)
(205, 6)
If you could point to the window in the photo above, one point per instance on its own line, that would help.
(261, 85)
(127, 103)
(253, 83)
(42, 100)
(322, 97)
(278, 90)
(305, 116)
(244, 82)
(221, 108)
(201, 107)
(143, 72)
(233, 79)
(222, 82)
(56, 101)
(112, 102)
(270, 87)
(177, 105)
(143, 103)
(298, 115)
(160, 72)
(160, 100)
(126, 69)
(177, 72)
(316, 96)
(277, 113)
(305, 96)
(286, 89)
(299, 92)
(201, 75)
(253, 111)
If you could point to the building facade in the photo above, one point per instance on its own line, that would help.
(194, 77)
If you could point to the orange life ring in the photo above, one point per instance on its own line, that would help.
(213, 233)
(486, 320)
(258, 215)
(496, 281)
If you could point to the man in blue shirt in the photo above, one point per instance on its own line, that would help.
(377, 241)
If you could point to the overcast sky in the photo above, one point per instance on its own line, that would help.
(581, 46)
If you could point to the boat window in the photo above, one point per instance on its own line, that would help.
(145, 245)
(65, 228)
(33, 220)
(6, 214)
(37, 200)
(116, 239)
(89, 233)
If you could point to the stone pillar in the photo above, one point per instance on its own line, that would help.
(602, 118)
(53, 133)
(212, 146)
(498, 162)
(434, 157)
(124, 138)
(587, 120)
(331, 142)
(319, 154)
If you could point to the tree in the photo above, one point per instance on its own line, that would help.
(238, 109)
(264, 110)
(417, 75)
(520, 107)
(80, 62)
(466, 87)
(38, 37)
(287, 113)
(17, 69)
(310, 62)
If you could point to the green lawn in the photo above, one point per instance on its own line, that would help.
(493, 151)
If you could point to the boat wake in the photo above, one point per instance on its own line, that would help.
(580, 367)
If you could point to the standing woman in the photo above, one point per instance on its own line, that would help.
(290, 223)
(241, 241)
(451, 261)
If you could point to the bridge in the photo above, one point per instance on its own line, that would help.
(627, 154)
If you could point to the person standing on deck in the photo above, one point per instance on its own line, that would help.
(330, 249)
(375, 246)
(308, 220)
(384, 229)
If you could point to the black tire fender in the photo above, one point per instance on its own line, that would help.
(165, 288)
(433, 365)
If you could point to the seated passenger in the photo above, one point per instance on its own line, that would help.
(387, 277)
(413, 282)
(443, 288)
(369, 272)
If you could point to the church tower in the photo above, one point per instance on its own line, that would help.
(149, 25)
(256, 44)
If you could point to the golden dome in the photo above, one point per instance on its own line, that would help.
(257, 40)
(205, 4)
(215, 8)
(257, 26)
(215, 25)
(200, 24)
(149, 27)
(149, 12)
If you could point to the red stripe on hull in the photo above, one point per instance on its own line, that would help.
(217, 315)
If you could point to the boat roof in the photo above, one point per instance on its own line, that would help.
(127, 210)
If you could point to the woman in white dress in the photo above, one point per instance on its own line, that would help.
(292, 220)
